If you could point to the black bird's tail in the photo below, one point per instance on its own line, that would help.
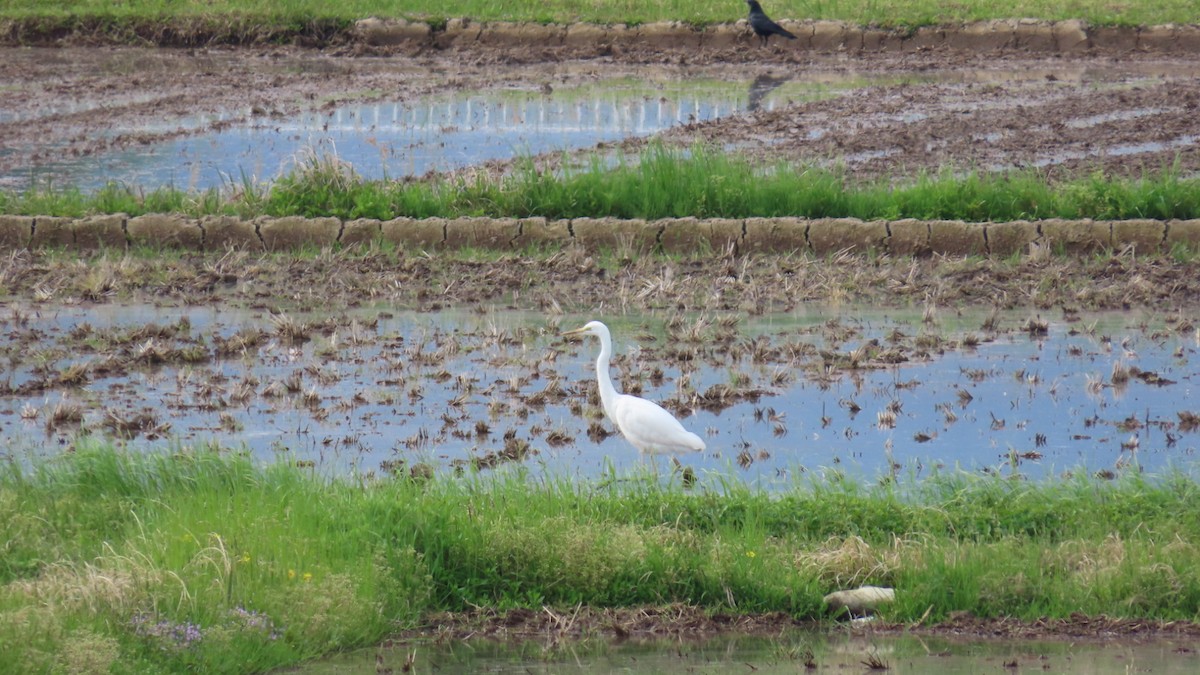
(762, 24)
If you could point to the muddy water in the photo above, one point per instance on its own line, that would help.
(867, 393)
(528, 112)
(411, 137)
(213, 117)
(790, 653)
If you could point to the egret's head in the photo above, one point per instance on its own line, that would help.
(590, 328)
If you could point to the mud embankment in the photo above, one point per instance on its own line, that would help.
(681, 236)
(1072, 36)
(582, 40)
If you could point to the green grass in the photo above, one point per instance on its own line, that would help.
(201, 560)
(660, 183)
(314, 16)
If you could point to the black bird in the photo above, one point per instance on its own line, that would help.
(763, 26)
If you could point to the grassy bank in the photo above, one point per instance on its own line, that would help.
(660, 183)
(204, 561)
(311, 17)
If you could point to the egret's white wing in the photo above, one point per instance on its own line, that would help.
(650, 428)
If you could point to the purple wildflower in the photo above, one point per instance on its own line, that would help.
(253, 620)
(167, 634)
(171, 636)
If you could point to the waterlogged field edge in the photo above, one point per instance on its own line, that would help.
(565, 280)
(662, 199)
(658, 182)
(200, 559)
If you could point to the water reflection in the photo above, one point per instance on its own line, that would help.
(467, 127)
(407, 138)
(790, 652)
(760, 90)
(872, 394)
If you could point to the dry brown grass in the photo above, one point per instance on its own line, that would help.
(93, 588)
(1090, 563)
(852, 561)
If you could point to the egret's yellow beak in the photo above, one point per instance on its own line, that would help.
(573, 333)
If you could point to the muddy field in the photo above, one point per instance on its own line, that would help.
(1068, 113)
(1065, 113)
(683, 621)
(917, 111)
(577, 282)
(1064, 117)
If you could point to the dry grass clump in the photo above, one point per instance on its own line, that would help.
(65, 412)
(240, 342)
(130, 424)
(57, 599)
(1117, 561)
(1120, 373)
(1089, 562)
(69, 588)
(852, 561)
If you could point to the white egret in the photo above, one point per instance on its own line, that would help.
(643, 423)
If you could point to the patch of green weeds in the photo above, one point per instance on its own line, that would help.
(1182, 253)
(204, 560)
(658, 183)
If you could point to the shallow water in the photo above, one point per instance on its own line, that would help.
(409, 138)
(789, 653)
(466, 127)
(376, 389)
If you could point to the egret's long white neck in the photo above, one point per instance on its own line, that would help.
(608, 394)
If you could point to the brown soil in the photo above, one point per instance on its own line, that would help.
(1065, 117)
(1075, 627)
(575, 281)
(920, 110)
(924, 111)
(683, 621)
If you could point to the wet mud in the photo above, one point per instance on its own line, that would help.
(615, 281)
(690, 621)
(1061, 119)
(917, 111)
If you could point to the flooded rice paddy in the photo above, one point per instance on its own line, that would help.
(867, 393)
(423, 118)
(872, 394)
(453, 130)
